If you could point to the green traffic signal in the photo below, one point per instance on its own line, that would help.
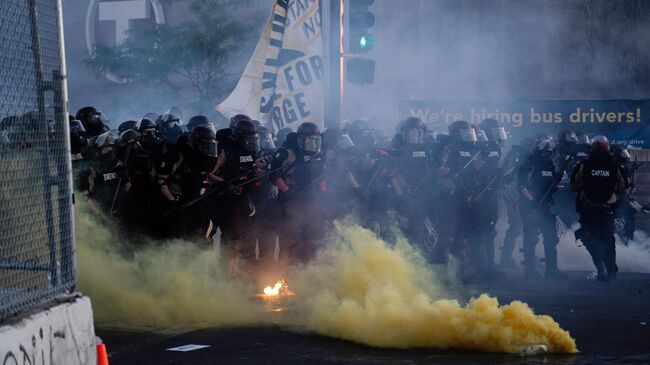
(367, 42)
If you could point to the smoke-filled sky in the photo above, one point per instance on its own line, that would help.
(444, 49)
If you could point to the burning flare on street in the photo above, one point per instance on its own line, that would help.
(279, 289)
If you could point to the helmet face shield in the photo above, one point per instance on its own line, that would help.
(571, 137)
(98, 118)
(414, 136)
(468, 135)
(344, 142)
(312, 143)
(500, 134)
(546, 146)
(267, 143)
(208, 148)
(77, 127)
(251, 142)
(481, 136)
(583, 139)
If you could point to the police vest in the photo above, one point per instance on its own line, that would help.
(238, 163)
(190, 171)
(542, 176)
(304, 169)
(599, 180)
(492, 155)
(413, 163)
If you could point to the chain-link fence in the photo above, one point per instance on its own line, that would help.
(36, 226)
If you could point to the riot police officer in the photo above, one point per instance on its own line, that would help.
(491, 155)
(537, 178)
(463, 151)
(343, 188)
(237, 165)
(300, 180)
(268, 211)
(98, 181)
(514, 158)
(599, 182)
(417, 179)
(187, 169)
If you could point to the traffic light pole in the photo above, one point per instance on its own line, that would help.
(331, 32)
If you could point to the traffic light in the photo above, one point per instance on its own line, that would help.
(360, 70)
(361, 20)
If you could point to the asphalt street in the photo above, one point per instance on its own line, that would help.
(610, 322)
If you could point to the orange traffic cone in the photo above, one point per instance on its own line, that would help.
(102, 357)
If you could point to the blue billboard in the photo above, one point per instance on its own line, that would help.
(622, 121)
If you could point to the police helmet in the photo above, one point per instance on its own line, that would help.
(237, 118)
(413, 131)
(462, 131)
(107, 139)
(203, 139)
(361, 133)
(170, 124)
(91, 115)
(245, 132)
(309, 138)
(129, 124)
(600, 144)
(621, 153)
(198, 120)
(146, 124)
(129, 136)
(567, 136)
(494, 131)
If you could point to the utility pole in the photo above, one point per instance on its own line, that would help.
(331, 36)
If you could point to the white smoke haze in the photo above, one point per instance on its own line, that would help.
(633, 257)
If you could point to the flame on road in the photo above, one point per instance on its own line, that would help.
(279, 289)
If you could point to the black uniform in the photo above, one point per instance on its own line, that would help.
(598, 180)
(538, 175)
(515, 156)
(235, 209)
(184, 170)
(303, 221)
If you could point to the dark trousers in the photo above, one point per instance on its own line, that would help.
(302, 226)
(515, 227)
(537, 218)
(598, 237)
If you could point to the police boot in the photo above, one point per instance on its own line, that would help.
(550, 257)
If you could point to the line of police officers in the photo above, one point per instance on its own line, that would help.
(163, 179)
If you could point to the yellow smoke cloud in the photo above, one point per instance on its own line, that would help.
(358, 288)
(171, 285)
(363, 291)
